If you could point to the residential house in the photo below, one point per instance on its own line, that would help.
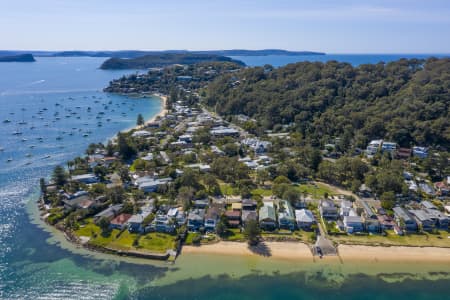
(386, 222)
(345, 208)
(249, 210)
(423, 219)
(196, 219)
(372, 225)
(81, 203)
(404, 219)
(233, 218)
(328, 210)
(85, 178)
(248, 204)
(373, 147)
(441, 221)
(286, 216)
(120, 222)
(368, 213)
(162, 223)
(108, 213)
(201, 203)
(420, 152)
(211, 219)
(353, 224)
(222, 131)
(388, 147)
(267, 217)
(305, 219)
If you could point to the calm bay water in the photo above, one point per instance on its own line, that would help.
(354, 59)
(53, 96)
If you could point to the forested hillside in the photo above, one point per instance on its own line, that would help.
(406, 101)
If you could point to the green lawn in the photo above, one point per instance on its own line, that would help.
(440, 239)
(153, 242)
(157, 242)
(227, 190)
(234, 234)
(262, 192)
(189, 238)
(316, 191)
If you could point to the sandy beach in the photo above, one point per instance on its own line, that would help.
(347, 253)
(278, 250)
(163, 111)
(394, 254)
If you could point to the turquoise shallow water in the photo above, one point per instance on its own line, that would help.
(33, 265)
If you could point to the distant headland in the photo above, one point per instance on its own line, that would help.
(162, 60)
(138, 53)
(18, 58)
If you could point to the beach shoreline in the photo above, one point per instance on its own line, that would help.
(296, 251)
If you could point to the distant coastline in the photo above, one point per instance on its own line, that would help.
(18, 58)
(138, 53)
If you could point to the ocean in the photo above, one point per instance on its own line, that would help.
(60, 101)
(354, 59)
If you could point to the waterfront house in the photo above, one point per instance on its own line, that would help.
(163, 224)
(108, 213)
(286, 217)
(120, 222)
(195, 219)
(328, 210)
(372, 225)
(249, 211)
(248, 215)
(386, 222)
(404, 219)
(353, 224)
(233, 218)
(83, 203)
(423, 219)
(267, 217)
(304, 218)
(211, 219)
(135, 223)
(440, 220)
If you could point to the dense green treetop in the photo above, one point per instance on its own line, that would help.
(406, 101)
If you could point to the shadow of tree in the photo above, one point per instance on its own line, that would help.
(260, 249)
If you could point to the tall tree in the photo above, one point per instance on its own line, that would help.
(140, 120)
(59, 176)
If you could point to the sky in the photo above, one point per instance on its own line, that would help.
(338, 26)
